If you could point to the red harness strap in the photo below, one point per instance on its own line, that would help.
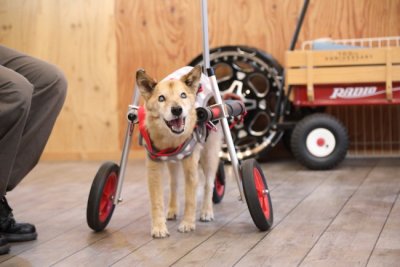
(142, 127)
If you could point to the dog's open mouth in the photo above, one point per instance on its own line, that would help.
(177, 125)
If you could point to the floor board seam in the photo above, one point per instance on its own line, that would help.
(97, 240)
(334, 218)
(283, 218)
(383, 227)
(215, 232)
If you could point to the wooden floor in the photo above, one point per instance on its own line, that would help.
(349, 216)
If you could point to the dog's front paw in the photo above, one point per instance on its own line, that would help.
(159, 231)
(185, 227)
(207, 216)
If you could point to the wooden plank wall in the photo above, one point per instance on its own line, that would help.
(79, 37)
(100, 44)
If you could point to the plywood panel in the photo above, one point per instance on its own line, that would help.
(79, 37)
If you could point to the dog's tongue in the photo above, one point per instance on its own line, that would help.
(177, 123)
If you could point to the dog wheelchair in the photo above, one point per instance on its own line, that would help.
(105, 192)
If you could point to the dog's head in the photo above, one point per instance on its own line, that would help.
(171, 103)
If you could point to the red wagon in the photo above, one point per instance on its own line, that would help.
(338, 72)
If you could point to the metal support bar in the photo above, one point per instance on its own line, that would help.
(299, 25)
(206, 48)
(228, 139)
(291, 48)
(218, 100)
(125, 150)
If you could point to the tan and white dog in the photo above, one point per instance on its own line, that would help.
(170, 121)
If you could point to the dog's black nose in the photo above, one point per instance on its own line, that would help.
(177, 111)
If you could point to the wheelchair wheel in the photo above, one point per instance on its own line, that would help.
(101, 205)
(219, 184)
(257, 195)
(248, 74)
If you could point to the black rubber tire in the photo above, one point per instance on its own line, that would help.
(286, 138)
(257, 195)
(219, 184)
(260, 77)
(299, 138)
(95, 219)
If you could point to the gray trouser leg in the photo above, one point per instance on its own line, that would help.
(32, 93)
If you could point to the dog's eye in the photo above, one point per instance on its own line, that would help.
(161, 98)
(183, 95)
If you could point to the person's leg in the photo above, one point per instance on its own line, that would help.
(49, 91)
(47, 98)
(15, 100)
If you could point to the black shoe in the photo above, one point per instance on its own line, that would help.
(4, 246)
(10, 229)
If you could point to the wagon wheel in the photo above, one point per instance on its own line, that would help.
(255, 78)
(257, 195)
(101, 205)
(319, 141)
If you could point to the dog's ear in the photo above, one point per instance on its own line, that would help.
(145, 83)
(192, 79)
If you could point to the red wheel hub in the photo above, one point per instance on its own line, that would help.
(107, 198)
(219, 187)
(320, 142)
(261, 193)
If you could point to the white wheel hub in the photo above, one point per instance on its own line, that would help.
(320, 142)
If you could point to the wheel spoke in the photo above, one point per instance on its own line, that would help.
(260, 124)
(250, 104)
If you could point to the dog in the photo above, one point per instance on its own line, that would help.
(170, 120)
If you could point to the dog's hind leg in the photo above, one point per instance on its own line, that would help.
(209, 161)
(209, 168)
(174, 172)
(190, 169)
(159, 227)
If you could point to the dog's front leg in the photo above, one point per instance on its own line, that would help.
(159, 227)
(190, 168)
(174, 172)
